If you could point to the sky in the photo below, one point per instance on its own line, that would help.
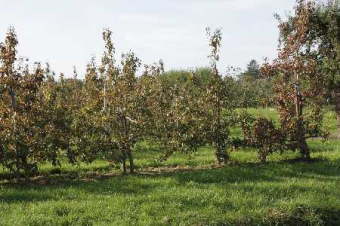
(67, 33)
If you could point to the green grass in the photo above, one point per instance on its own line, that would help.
(185, 190)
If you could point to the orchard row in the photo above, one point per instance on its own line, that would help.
(104, 115)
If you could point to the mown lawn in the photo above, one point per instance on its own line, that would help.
(185, 190)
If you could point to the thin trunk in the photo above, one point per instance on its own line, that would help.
(304, 149)
(14, 107)
(129, 154)
(263, 155)
(27, 168)
(14, 99)
(222, 156)
(219, 157)
(337, 107)
(124, 157)
(302, 143)
(104, 106)
(17, 170)
(124, 165)
(338, 115)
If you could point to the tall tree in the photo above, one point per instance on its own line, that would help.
(19, 110)
(123, 101)
(218, 133)
(298, 82)
(326, 31)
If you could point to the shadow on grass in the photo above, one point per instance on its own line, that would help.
(141, 184)
(267, 181)
(24, 197)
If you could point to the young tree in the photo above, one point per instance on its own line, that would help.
(181, 118)
(297, 80)
(218, 133)
(90, 137)
(123, 102)
(19, 110)
(53, 132)
(262, 133)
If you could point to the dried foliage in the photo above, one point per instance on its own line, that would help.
(297, 81)
(263, 134)
(20, 115)
(105, 115)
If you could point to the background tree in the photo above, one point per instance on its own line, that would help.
(252, 71)
(254, 90)
(325, 29)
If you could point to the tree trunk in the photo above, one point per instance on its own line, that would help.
(263, 155)
(221, 155)
(14, 107)
(14, 99)
(124, 164)
(131, 161)
(302, 143)
(27, 168)
(301, 140)
(304, 149)
(17, 170)
(337, 107)
(338, 115)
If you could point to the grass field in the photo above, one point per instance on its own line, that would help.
(185, 190)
